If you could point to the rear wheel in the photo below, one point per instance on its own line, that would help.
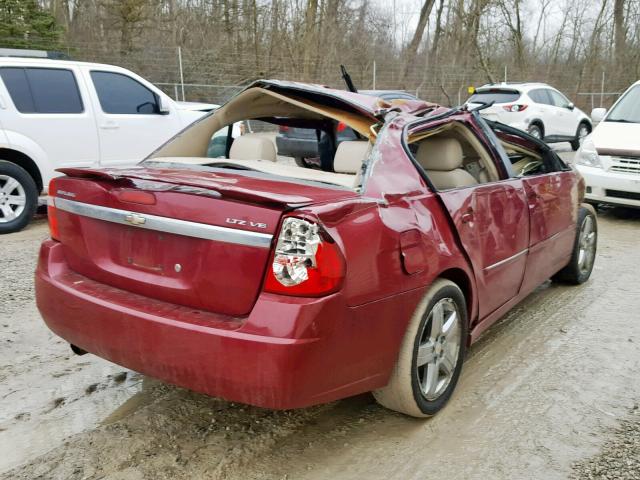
(535, 130)
(18, 197)
(431, 354)
(300, 162)
(584, 249)
(583, 131)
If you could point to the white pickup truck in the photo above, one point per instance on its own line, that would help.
(59, 113)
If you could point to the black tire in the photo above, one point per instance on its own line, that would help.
(579, 268)
(594, 204)
(536, 130)
(404, 392)
(584, 126)
(301, 162)
(27, 186)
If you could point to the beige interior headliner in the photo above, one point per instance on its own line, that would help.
(256, 103)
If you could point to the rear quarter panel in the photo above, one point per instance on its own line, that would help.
(380, 295)
(396, 242)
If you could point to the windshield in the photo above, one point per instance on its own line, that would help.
(497, 96)
(627, 110)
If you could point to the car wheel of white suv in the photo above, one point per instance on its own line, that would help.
(535, 131)
(18, 197)
(583, 131)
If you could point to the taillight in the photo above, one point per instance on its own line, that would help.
(304, 263)
(52, 213)
(283, 128)
(341, 127)
(515, 108)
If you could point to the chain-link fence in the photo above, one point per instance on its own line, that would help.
(216, 75)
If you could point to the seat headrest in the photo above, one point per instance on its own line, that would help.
(350, 155)
(441, 154)
(253, 146)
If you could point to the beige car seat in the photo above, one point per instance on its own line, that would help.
(442, 159)
(252, 146)
(349, 156)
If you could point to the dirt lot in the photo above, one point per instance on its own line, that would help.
(549, 392)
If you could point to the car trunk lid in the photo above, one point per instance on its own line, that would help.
(193, 238)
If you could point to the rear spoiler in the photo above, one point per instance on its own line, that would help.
(215, 185)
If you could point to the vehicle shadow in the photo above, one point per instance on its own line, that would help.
(621, 213)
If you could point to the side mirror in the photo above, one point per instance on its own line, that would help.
(570, 106)
(597, 114)
(163, 106)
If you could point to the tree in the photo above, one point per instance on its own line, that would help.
(129, 16)
(438, 32)
(513, 19)
(619, 30)
(412, 49)
(308, 40)
(24, 23)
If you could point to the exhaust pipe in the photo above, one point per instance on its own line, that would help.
(77, 350)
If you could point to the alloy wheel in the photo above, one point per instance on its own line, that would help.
(535, 132)
(438, 349)
(13, 199)
(587, 245)
(583, 131)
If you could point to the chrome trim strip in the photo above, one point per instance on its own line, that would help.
(165, 224)
(507, 260)
(555, 235)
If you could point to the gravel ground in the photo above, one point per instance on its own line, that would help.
(619, 459)
(548, 392)
(17, 263)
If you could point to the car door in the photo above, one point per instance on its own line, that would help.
(492, 221)
(49, 110)
(552, 223)
(540, 105)
(567, 121)
(546, 111)
(551, 197)
(129, 118)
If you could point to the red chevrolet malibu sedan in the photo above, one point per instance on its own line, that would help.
(253, 279)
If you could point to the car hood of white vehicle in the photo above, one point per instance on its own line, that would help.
(617, 136)
(197, 106)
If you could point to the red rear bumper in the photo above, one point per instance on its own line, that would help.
(280, 356)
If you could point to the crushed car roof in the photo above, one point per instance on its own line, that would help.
(366, 104)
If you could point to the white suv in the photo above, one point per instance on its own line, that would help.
(58, 113)
(536, 108)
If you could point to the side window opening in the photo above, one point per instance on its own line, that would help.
(42, 90)
(526, 157)
(453, 157)
(121, 94)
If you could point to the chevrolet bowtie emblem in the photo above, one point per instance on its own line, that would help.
(134, 219)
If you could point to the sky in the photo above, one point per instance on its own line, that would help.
(407, 13)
